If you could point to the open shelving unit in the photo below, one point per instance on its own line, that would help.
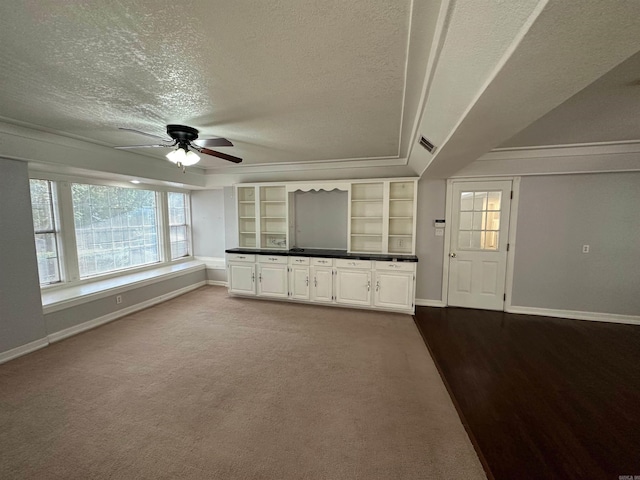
(367, 217)
(273, 217)
(247, 217)
(401, 217)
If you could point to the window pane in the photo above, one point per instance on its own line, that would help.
(466, 201)
(47, 254)
(116, 228)
(44, 226)
(178, 230)
(42, 205)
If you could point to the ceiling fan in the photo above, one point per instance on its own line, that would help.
(185, 139)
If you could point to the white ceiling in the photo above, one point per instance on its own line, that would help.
(309, 90)
(288, 80)
(608, 110)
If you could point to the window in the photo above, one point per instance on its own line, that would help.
(479, 226)
(46, 234)
(86, 230)
(178, 224)
(116, 228)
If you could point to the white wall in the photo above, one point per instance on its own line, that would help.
(21, 320)
(429, 248)
(208, 222)
(321, 219)
(557, 216)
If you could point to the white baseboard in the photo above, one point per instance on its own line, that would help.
(23, 350)
(576, 315)
(68, 332)
(425, 302)
(218, 283)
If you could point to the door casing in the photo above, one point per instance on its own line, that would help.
(513, 220)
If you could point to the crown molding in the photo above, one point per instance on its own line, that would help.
(566, 150)
(602, 157)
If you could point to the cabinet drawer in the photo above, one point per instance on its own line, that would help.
(322, 262)
(298, 260)
(240, 257)
(396, 266)
(272, 259)
(359, 264)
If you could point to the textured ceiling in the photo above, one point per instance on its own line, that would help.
(287, 80)
(608, 110)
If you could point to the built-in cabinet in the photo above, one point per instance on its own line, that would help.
(353, 282)
(272, 276)
(262, 216)
(386, 285)
(381, 214)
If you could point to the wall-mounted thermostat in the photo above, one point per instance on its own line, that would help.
(439, 223)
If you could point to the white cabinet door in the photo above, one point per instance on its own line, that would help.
(394, 290)
(299, 282)
(322, 285)
(242, 278)
(272, 280)
(353, 287)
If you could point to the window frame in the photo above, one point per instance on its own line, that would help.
(55, 230)
(186, 224)
(67, 246)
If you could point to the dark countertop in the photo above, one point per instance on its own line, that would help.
(317, 252)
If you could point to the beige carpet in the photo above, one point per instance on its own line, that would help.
(211, 387)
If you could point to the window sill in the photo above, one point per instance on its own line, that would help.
(66, 297)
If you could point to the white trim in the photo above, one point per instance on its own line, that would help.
(271, 167)
(447, 241)
(63, 298)
(567, 150)
(68, 332)
(604, 157)
(218, 283)
(511, 239)
(427, 302)
(576, 315)
(513, 221)
(23, 350)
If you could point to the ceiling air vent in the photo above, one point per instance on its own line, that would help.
(427, 144)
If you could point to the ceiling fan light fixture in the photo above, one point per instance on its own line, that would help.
(190, 158)
(176, 156)
(182, 156)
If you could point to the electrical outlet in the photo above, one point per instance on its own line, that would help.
(118, 299)
(585, 248)
(400, 242)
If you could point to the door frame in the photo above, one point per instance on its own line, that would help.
(513, 223)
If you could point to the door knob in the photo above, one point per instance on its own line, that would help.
(453, 255)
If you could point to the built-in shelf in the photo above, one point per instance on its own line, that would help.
(382, 215)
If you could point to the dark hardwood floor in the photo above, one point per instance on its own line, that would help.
(541, 397)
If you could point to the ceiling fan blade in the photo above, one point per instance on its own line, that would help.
(213, 153)
(142, 133)
(213, 142)
(124, 147)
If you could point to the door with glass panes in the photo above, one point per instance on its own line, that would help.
(478, 244)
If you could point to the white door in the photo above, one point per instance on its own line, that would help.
(272, 280)
(478, 247)
(394, 290)
(299, 282)
(322, 285)
(242, 278)
(353, 287)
